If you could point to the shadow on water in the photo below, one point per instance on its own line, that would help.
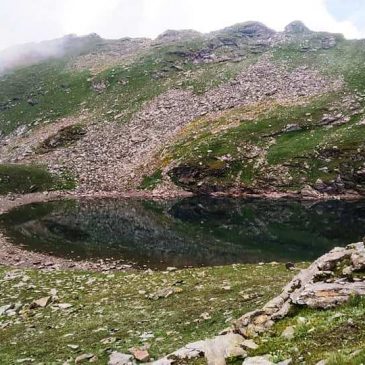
(189, 232)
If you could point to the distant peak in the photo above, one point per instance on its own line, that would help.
(249, 29)
(175, 35)
(296, 27)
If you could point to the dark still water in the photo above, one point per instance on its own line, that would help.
(189, 232)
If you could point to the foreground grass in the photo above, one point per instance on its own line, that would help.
(336, 335)
(113, 311)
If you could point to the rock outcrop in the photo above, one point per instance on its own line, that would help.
(296, 27)
(327, 282)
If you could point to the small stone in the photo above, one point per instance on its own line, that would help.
(205, 316)
(64, 305)
(288, 333)
(108, 340)
(249, 344)
(292, 128)
(73, 347)
(162, 293)
(5, 308)
(25, 360)
(83, 358)
(117, 358)
(42, 302)
(140, 354)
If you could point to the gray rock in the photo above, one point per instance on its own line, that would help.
(328, 295)
(249, 344)
(258, 360)
(292, 128)
(117, 358)
(215, 350)
(288, 333)
(5, 308)
(42, 302)
(83, 358)
(296, 27)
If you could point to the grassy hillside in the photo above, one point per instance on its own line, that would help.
(273, 143)
(40, 94)
(283, 147)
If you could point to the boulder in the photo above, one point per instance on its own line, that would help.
(328, 295)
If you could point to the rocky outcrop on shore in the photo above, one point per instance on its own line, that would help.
(329, 281)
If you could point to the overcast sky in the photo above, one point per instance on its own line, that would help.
(24, 21)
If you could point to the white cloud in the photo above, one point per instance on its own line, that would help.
(24, 20)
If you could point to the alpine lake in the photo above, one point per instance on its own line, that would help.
(191, 232)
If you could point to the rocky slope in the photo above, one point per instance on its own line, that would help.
(243, 109)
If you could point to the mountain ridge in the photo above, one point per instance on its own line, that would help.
(34, 52)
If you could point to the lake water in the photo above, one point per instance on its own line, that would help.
(188, 232)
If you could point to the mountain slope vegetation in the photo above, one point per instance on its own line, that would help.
(241, 110)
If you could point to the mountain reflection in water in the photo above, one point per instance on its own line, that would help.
(189, 232)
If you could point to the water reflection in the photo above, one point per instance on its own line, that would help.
(190, 232)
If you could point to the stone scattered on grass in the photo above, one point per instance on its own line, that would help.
(64, 305)
(140, 354)
(288, 333)
(73, 347)
(41, 303)
(117, 358)
(25, 360)
(83, 358)
(162, 293)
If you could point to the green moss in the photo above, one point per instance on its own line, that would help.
(24, 179)
(151, 182)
